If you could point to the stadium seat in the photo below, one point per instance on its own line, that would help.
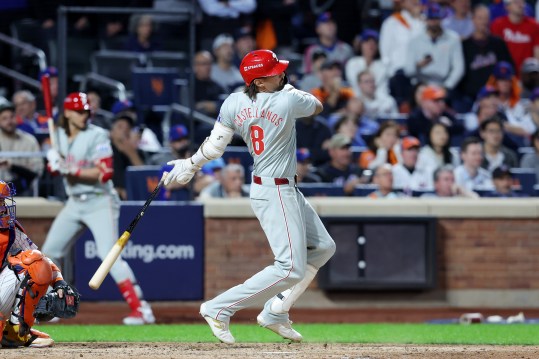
(526, 178)
(241, 155)
(117, 65)
(140, 181)
(321, 190)
(170, 59)
(154, 87)
(536, 190)
(363, 190)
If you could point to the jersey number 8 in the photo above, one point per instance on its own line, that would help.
(257, 137)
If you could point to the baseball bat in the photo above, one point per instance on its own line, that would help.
(114, 253)
(47, 99)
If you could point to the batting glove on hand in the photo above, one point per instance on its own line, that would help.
(183, 171)
(56, 162)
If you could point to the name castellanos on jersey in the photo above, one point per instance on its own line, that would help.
(249, 113)
(146, 252)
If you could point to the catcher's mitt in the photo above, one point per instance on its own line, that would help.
(50, 305)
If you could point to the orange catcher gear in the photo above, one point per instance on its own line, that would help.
(7, 205)
(77, 101)
(261, 63)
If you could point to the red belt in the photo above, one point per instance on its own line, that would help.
(278, 181)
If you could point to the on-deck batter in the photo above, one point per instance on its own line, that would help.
(264, 114)
(84, 158)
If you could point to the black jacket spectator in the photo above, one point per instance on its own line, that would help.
(311, 133)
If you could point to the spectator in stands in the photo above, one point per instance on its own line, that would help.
(28, 119)
(533, 108)
(469, 174)
(487, 105)
(230, 184)
(406, 174)
(314, 134)
(223, 71)
(378, 104)
(384, 147)
(143, 37)
(370, 61)
(98, 116)
(305, 171)
(494, 153)
(21, 171)
(531, 160)
(460, 20)
(354, 124)
(503, 182)
(436, 152)
(332, 93)
(445, 186)
(179, 143)
(432, 109)
(125, 151)
(336, 50)
(396, 32)
(481, 53)
(529, 76)
(207, 91)
(340, 170)
(277, 23)
(520, 32)
(244, 42)
(313, 79)
(383, 178)
(435, 55)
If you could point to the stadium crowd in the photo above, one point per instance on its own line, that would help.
(430, 99)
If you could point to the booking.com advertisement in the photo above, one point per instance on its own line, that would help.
(165, 251)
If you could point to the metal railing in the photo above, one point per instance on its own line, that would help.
(177, 108)
(107, 81)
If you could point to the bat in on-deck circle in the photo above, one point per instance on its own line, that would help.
(114, 253)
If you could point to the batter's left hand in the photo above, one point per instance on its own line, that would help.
(183, 171)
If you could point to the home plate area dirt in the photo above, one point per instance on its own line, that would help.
(239, 351)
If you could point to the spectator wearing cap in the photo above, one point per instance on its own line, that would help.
(336, 50)
(445, 186)
(178, 142)
(378, 104)
(406, 174)
(503, 182)
(437, 152)
(125, 150)
(313, 79)
(494, 153)
(229, 185)
(340, 170)
(486, 105)
(383, 148)
(383, 178)
(520, 32)
(223, 71)
(431, 110)
(482, 52)
(460, 20)
(368, 60)
(142, 37)
(244, 42)
(435, 55)
(21, 171)
(305, 170)
(531, 160)
(518, 125)
(529, 76)
(332, 92)
(470, 175)
(354, 124)
(313, 133)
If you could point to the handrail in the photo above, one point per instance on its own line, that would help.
(176, 107)
(124, 10)
(120, 87)
(40, 54)
(20, 77)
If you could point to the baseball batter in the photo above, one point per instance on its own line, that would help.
(25, 275)
(264, 114)
(84, 158)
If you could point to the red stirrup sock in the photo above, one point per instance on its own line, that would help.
(130, 295)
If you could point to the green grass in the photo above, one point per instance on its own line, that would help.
(515, 334)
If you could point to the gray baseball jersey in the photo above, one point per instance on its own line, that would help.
(268, 127)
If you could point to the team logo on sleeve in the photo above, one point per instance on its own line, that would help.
(103, 150)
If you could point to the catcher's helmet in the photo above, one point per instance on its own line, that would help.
(261, 63)
(77, 101)
(7, 205)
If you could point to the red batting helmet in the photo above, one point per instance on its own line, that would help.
(261, 63)
(77, 101)
(7, 205)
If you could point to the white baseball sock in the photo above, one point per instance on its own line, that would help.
(285, 300)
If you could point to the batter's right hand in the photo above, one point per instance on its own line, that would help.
(183, 171)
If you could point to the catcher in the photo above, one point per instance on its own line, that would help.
(25, 276)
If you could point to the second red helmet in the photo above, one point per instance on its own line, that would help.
(77, 101)
(261, 63)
